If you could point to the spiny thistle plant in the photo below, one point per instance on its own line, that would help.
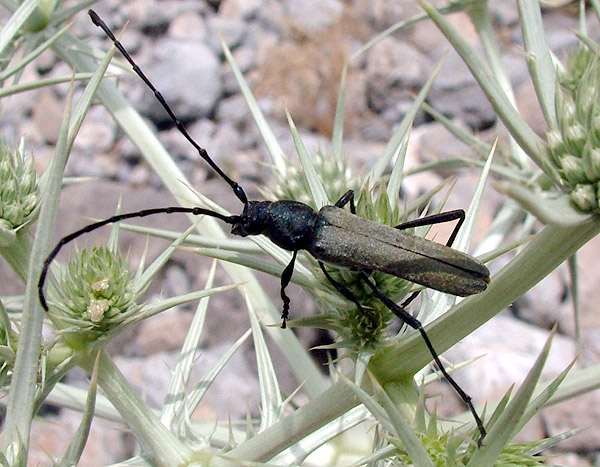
(94, 297)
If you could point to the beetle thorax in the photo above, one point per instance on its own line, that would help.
(288, 224)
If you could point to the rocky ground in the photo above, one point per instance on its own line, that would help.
(292, 53)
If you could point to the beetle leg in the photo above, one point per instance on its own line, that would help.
(411, 297)
(347, 197)
(342, 289)
(414, 323)
(286, 276)
(440, 218)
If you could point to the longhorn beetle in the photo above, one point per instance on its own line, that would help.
(334, 236)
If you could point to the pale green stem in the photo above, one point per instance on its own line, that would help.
(165, 446)
(19, 411)
(332, 403)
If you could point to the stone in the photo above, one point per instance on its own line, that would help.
(50, 437)
(394, 71)
(187, 74)
(188, 26)
(47, 116)
(582, 412)
(233, 31)
(508, 348)
(165, 332)
(244, 9)
(313, 16)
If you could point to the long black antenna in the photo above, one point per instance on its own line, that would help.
(120, 217)
(237, 189)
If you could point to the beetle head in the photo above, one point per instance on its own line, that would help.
(254, 219)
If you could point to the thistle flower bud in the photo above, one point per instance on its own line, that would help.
(574, 147)
(584, 197)
(572, 169)
(357, 329)
(555, 141)
(18, 187)
(92, 296)
(576, 135)
(591, 162)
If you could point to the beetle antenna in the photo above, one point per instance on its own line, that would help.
(237, 189)
(120, 217)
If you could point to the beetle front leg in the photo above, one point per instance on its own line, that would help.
(286, 276)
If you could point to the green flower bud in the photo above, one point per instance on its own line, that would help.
(584, 197)
(555, 141)
(9, 190)
(58, 354)
(92, 296)
(595, 123)
(572, 169)
(29, 181)
(12, 214)
(29, 202)
(587, 95)
(576, 135)
(577, 65)
(567, 109)
(591, 163)
(18, 187)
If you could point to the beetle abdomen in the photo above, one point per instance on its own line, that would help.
(345, 240)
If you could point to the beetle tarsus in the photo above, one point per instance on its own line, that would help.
(286, 276)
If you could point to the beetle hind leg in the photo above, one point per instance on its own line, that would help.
(346, 198)
(341, 288)
(414, 323)
(440, 218)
